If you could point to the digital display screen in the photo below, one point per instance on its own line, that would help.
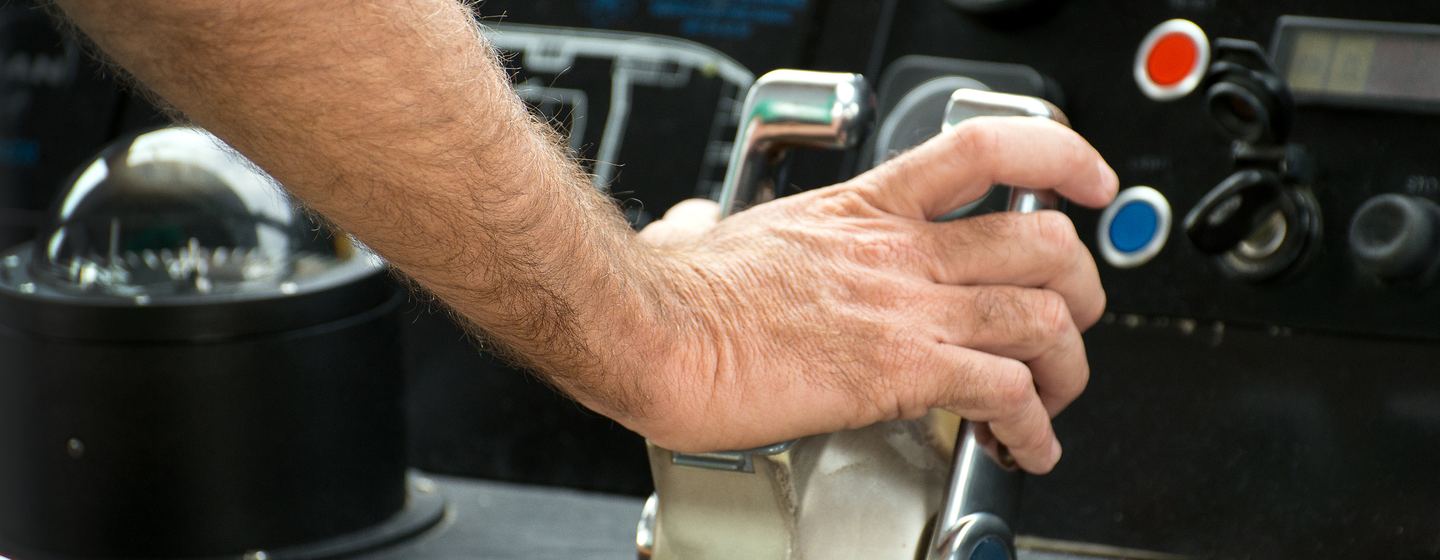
(1348, 62)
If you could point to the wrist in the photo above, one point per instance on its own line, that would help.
(668, 358)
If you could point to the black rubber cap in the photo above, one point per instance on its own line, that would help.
(1243, 111)
(1394, 236)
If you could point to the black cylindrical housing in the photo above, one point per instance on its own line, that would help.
(126, 434)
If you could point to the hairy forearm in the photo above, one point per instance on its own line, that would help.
(394, 120)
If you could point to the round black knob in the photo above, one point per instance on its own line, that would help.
(1394, 236)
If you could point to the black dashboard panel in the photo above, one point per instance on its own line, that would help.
(1291, 416)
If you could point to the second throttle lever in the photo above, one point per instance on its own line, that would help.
(785, 110)
(984, 494)
(788, 109)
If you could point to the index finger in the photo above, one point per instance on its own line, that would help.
(961, 164)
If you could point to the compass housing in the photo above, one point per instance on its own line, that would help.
(191, 367)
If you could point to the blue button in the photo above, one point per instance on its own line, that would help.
(1134, 226)
(1134, 229)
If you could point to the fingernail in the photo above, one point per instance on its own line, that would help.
(1056, 451)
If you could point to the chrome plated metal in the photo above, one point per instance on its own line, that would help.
(981, 496)
(976, 485)
(869, 493)
(984, 489)
(645, 529)
(968, 103)
(788, 109)
(918, 116)
(784, 110)
(738, 461)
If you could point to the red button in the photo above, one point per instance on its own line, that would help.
(1172, 59)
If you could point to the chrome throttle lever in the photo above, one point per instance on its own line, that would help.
(984, 494)
(784, 110)
(788, 109)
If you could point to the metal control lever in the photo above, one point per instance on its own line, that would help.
(984, 490)
(785, 110)
(788, 109)
(759, 488)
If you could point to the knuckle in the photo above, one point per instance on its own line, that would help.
(991, 306)
(854, 198)
(1011, 391)
(903, 357)
(882, 387)
(1079, 155)
(1055, 231)
(1050, 315)
(882, 249)
(1022, 314)
(993, 228)
(897, 396)
(976, 137)
(910, 406)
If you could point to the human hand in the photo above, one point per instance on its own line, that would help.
(845, 306)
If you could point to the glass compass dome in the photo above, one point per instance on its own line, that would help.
(176, 215)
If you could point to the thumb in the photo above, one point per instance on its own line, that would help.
(683, 224)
